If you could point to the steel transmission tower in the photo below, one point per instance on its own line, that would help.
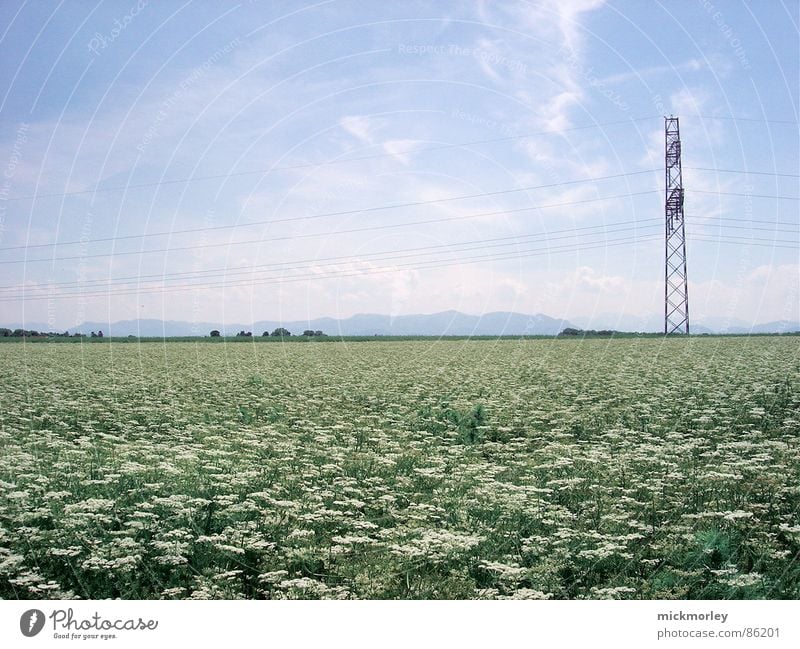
(676, 290)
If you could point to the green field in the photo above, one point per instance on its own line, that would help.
(627, 468)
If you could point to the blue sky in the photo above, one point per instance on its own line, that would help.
(296, 120)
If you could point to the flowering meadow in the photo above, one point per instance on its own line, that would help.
(543, 469)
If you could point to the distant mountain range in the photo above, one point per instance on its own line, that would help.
(446, 323)
(707, 325)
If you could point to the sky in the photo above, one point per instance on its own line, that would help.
(221, 162)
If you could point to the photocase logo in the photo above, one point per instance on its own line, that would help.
(31, 622)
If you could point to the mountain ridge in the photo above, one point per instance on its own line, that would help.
(442, 323)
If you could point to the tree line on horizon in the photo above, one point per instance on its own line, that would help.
(5, 332)
(280, 332)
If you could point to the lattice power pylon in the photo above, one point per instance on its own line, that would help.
(676, 289)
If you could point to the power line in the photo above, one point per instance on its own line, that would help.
(743, 241)
(251, 241)
(609, 243)
(267, 222)
(329, 214)
(395, 268)
(440, 147)
(610, 228)
(749, 227)
(337, 232)
(515, 239)
(117, 188)
(734, 118)
(746, 172)
(416, 265)
(783, 198)
(737, 219)
(778, 242)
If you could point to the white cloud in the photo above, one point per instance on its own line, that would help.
(400, 150)
(360, 126)
(556, 44)
(587, 279)
(693, 65)
(689, 100)
(765, 293)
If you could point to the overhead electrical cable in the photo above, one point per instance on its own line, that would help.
(395, 268)
(261, 240)
(608, 243)
(165, 233)
(757, 120)
(387, 255)
(746, 172)
(547, 235)
(743, 242)
(711, 191)
(329, 214)
(777, 242)
(325, 163)
(518, 239)
(743, 220)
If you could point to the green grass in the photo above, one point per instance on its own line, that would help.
(500, 468)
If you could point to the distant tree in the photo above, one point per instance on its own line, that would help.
(280, 331)
(308, 332)
(5, 333)
(589, 333)
(100, 334)
(266, 333)
(318, 333)
(215, 333)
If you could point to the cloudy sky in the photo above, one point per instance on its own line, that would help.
(210, 161)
